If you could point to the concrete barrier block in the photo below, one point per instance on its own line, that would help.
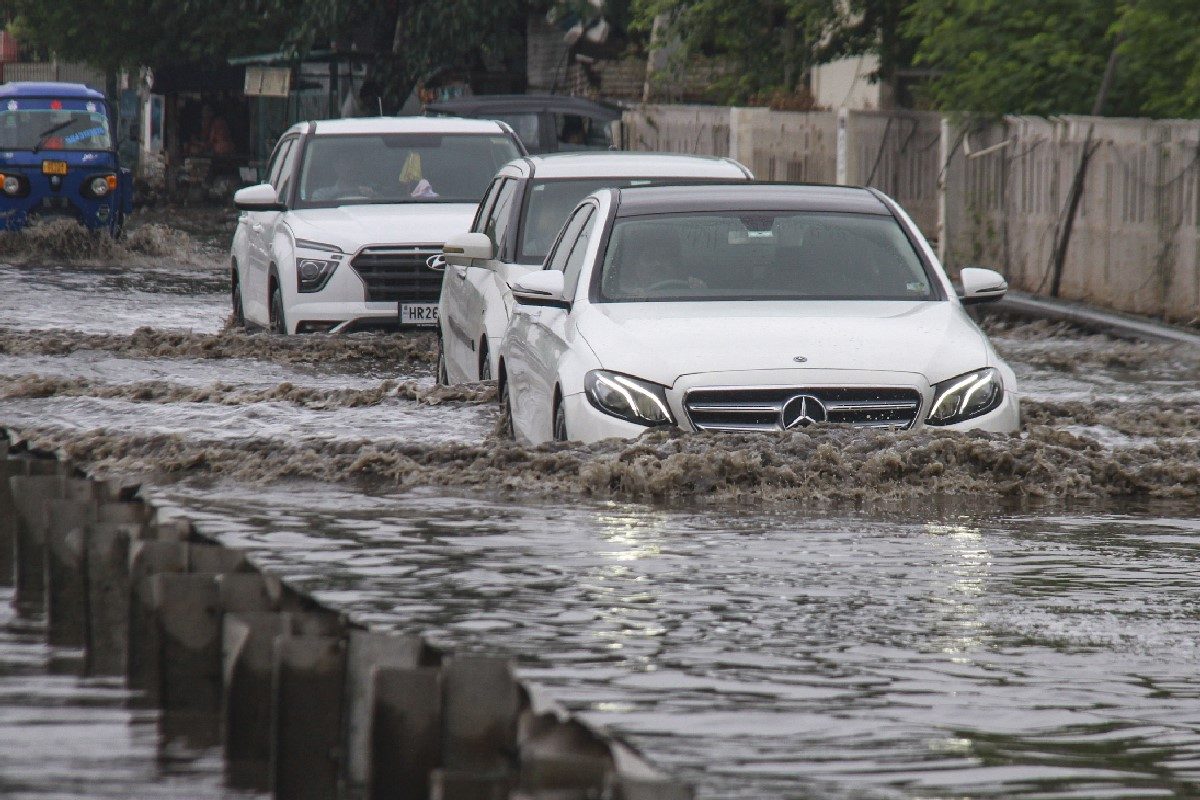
(639, 789)
(145, 560)
(66, 593)
(248, 648)
(308, 684)
(405, 733)
(481, 706)
(8, 514)
(366, 651)
(128, 511)
(215, 558)
(30, 493)
(248, 591)
(187, 608)
(470, 784)
(560, 754)
(108, 595)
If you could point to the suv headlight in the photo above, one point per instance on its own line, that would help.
(965, 397)
(313, 273)
(631, 399)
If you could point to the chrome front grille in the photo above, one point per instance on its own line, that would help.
(398, 274)
(761, 408)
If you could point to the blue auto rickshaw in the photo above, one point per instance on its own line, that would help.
(58, 157)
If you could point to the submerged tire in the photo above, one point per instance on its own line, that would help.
(239, 311)
(485, 364)
(505, 427)
(443, 377)
(560, 423)
(278, 321)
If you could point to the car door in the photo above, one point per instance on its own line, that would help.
(254, 272)
(462, 289)
(450, 303)
(482, 287)
(549, 330)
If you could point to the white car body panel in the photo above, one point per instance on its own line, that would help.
(476, 303)
(685, 346)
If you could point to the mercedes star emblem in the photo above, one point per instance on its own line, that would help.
(802, 411)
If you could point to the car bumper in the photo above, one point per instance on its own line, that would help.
(345, 317)
(586, 423)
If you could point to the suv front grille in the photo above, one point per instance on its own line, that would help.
(398, 274)
(761, 409)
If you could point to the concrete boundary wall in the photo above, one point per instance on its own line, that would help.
(990, 194)
(304, 702)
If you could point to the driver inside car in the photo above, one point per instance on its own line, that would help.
(348, 182)
(652, 262)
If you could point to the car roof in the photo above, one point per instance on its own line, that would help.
(526, 103)
(748, 196)
(400, 125)
(616, 164)
(49, 89)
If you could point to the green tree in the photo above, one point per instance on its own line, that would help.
(1161, 55)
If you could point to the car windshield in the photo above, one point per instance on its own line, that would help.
(53, 124)
(548, 203)
(761, 255)
(401, 168)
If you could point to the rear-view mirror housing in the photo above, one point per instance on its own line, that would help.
(982, 285)
(262, 197)
(465, 249)
(540, 288)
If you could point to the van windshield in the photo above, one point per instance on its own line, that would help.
(52, 124)
(347, 169)
(762, 255)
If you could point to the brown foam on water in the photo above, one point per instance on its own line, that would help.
(833, 466)
(37, 386)
(66, 240)
(377, 352)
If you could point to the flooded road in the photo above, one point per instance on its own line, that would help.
(66, 737)
(842, 614)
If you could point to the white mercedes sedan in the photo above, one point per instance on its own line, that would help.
(756, 307)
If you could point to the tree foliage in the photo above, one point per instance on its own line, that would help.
(773, 44)
(408, 38)
(1160, 55)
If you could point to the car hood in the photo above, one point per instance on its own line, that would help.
(354, 226)
(663, 341)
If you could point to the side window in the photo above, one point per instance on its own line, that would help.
(574, 265)
(562, 250)
(277, 160)
(498, 218)
(485, 206)
(287, 170)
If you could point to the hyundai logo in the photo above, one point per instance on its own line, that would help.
(800, 359)
(802, 411)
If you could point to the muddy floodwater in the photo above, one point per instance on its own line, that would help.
(834, 614)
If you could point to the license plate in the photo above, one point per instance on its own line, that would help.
(54, 168)
(418, 313)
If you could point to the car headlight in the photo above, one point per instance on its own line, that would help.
(12, 185)
(965, 397)
(98, 187)
(631, 399)
(313, 273)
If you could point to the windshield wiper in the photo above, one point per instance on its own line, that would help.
(46, 134)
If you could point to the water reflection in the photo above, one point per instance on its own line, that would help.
(785, 655)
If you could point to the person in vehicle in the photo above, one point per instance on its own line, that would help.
(658, 265)
(348, 181)
(411, 179)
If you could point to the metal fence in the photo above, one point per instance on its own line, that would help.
(53, 71)
(993, 194)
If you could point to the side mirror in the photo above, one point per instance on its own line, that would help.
(982, 285)
(541, 288)
(262, 197)
(466, 248)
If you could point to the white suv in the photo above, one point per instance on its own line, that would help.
(339, 237)
(518, 221)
